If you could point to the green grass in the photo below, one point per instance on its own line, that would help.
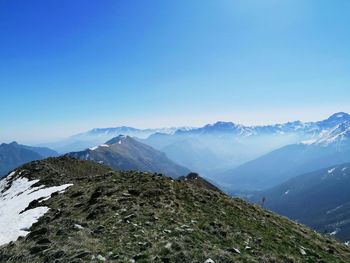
(149, 218)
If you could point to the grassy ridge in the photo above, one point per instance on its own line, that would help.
(143, 217)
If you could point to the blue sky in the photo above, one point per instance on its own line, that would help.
(67, 66)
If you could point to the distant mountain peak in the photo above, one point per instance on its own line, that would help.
(14, 143)
(118, 140)
(224, 123)
(338, 134)
(339, 115)
(125, 153)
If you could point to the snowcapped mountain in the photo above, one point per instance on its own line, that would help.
(306, 128)
(219, 127)
(231, 145)
(329, 146)
(284, 163)
(228, 143)
(130, 131)
(335, 119)
(298, 130)
(339, 134)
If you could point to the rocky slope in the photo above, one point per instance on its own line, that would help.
(108, 216)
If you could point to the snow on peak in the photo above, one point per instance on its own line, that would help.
(308, 142)
(16, 193)
(98, 146)
(93, 148)
(337, 134)
(330, 171)
(339, 115)
(117, 140)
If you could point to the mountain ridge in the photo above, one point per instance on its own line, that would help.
(125, 153)
(13, 154)
(111, 216)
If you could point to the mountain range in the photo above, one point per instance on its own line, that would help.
(125, 153)
(232, 145)
(68, 210)
(331, 147)
(301, 129)
(299, 170)
(230, 153)
(98, 136)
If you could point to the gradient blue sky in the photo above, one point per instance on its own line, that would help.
(67, 66)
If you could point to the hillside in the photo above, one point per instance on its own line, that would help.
(13, 155)
(110, 216)
(125, 153)
(320, 199)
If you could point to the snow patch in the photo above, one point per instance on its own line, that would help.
(334, 232)
(308, 142)
(334, 209)
(331, 170)
(15, 198)
(98, 146)
(93, 148)
(337, 134)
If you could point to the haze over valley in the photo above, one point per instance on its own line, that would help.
(175, 131)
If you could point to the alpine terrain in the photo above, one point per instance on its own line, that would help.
(78, 211)
(330, 147)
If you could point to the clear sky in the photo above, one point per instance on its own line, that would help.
(67, 66)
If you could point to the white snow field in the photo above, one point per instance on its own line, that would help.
(16, 192)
